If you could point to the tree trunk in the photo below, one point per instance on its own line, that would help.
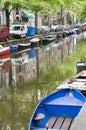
(62, 15)
(7, 18)
(36, 19)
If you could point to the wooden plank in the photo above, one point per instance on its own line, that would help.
(82, 73)
(58, 123)
(80, 80)
(50, 122)
(66, 124)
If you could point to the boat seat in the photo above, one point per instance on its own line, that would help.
(63, 123)
(44, 129)
(51, 122)
(67, 123)
(58, 123)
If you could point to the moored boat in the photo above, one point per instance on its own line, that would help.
(3, 57)
(21, 46)
(24, 46)
(4, 50)
(35, 42)
(57, 110)
(48, 39)
(13, 47)
(79, 80)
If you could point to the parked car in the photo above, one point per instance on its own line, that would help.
(18, 31)
(44, 30)
(4, 33)
(59, 28)
(53, 28)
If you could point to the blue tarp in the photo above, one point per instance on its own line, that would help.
(27, 15)
(31, 31)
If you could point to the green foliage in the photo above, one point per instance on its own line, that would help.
(78, 7)
(47, 7)
(83, 13)
(41, 7)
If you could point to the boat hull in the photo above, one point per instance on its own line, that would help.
(62, 104)
(47, 40)
(35, 42)
(24, 46)
(4, 51)
(13, 47)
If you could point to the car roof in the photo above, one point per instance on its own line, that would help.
(18, 25)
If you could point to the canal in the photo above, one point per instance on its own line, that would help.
(17, 100)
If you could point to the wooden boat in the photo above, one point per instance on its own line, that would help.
(79, 80)
(4, 50)
(35, 42)
(24, 46)
(3, 57)
(48, 39)
(80, 66)
(57, 110)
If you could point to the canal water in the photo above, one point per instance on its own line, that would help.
(17, 102)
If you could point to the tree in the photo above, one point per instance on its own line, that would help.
(45, 7)
(83, 13)
(38, 6)
(9, 5)
(77, 9)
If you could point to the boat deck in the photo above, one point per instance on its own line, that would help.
(54, 123)
(80, 121)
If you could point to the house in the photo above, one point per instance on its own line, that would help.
(2, 17)
(24, 17)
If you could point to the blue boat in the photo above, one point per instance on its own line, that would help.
(21, 46)
(57, 110)
(13, 47)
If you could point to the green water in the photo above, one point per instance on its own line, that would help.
(17, 105)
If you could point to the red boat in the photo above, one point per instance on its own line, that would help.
(4, 50)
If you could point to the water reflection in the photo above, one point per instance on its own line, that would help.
(4, 61)
(17, 106)
(24, 65)
(18, 102)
